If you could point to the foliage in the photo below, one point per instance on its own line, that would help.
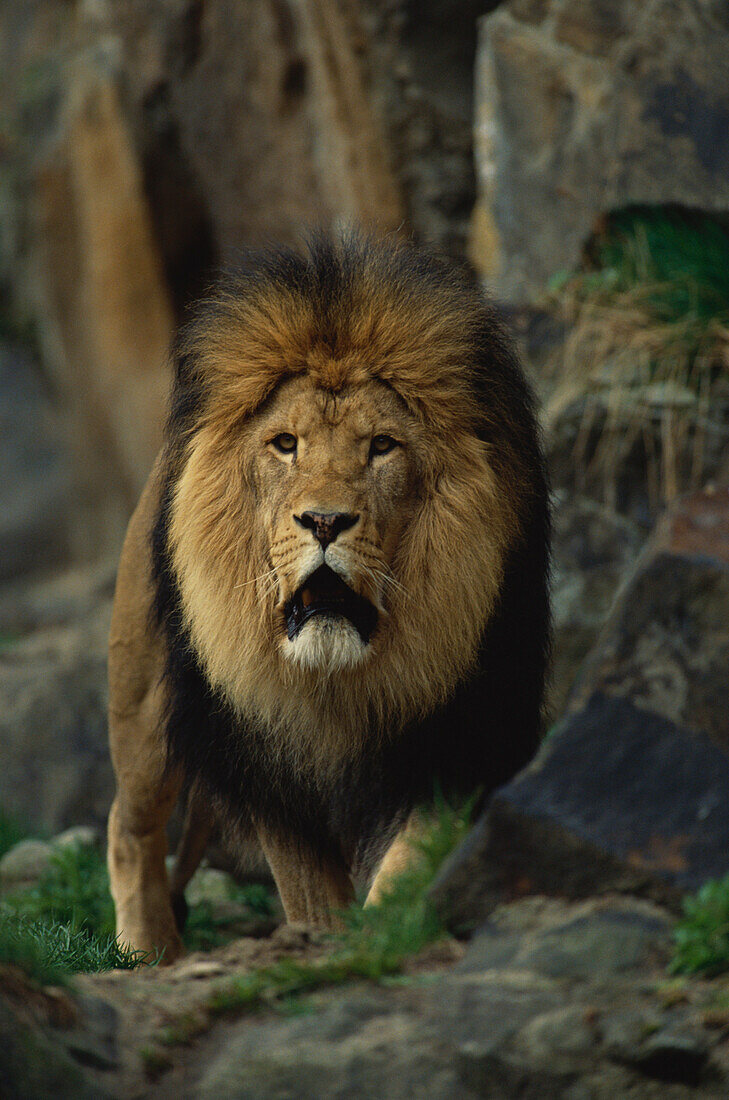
(702, 935)
(376, 940)
(681, 258)
(207, 928)
(65, 924)
(73, 891)
(11, 832)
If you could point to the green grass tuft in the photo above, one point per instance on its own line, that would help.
(71, 908)
(207, 929)
(73, 891)
(702, 936)
(49, 951)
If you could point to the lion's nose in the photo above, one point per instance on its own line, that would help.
(326, 525)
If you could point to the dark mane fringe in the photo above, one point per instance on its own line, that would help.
(491, 726)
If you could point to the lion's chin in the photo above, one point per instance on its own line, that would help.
(327, 644)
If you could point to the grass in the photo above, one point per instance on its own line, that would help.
(376, 941)
(701, 938)
(65, 923)
(49, 951)
(648, 350)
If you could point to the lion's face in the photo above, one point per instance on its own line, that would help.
(342, 499)
(336, 476)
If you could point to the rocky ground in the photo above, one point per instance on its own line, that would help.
(549, 999)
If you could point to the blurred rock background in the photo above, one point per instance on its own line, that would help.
(574, 151)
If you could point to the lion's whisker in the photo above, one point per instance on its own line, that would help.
(263, 576)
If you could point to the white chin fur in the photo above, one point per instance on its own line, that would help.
(327, 645)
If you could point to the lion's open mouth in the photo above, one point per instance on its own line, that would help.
(325, 593)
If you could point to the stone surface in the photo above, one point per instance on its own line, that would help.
(593, 550)
(24, 864)
(35, 486)
(79, 836)
(666, 644)
(583, 107)
(618, 798)
(550, 1000)
(32, 1065)
(56, 772)
(48, 1040)
(105, 309)
(57, 599)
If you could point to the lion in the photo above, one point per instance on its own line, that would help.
(332, 599)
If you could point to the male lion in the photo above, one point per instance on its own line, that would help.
(332, 597)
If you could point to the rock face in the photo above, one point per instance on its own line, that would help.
(35, 486)
(666, 645)
(583, 107)
(593, 549)
(631, 790)
(107, 318)
(56, 770)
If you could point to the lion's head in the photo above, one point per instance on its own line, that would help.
(345, 486)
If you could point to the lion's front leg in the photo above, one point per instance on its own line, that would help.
(313, 888)
(139, 886)
(399, 856)
(137, 844)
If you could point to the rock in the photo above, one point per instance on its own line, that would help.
(80, 836)
(583, 107)
(618, 798)
(593, 550)
(209, 885)
(24, 864)
(107, 320)
(35, 486)
(666, 644)
(56, 769)
(544, 1023)
(34, 1063)
(593, 940)
(678, 1052)
(55, 599)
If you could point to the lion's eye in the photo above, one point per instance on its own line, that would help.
(382, 445)
(285, 443)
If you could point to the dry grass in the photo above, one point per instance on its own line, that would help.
(646, 363)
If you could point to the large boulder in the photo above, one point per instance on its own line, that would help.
(630, 790)
(583, 107)
(551, 1000)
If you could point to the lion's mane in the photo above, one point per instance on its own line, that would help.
(453, 701)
